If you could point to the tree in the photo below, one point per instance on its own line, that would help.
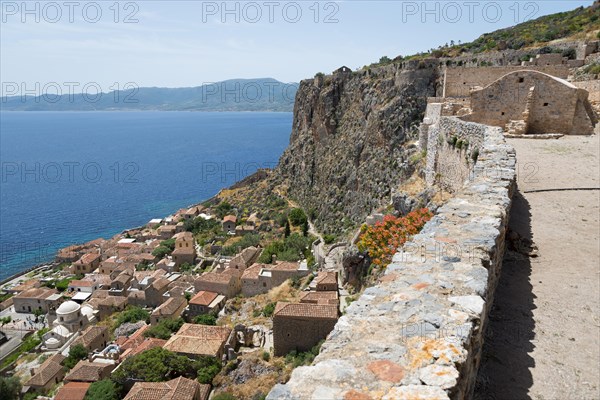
(164, 329)
(287, 229)
(5, 320)
(297, 216)
(268, 310)
(102, 390)
(76, 354)
(10, 388)
(208, 368)
(205, 319)
(155, 365)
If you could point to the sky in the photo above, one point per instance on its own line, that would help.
(108, 44)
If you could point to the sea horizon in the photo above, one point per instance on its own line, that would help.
(133, 186)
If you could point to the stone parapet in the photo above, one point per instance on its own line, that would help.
(418, 333)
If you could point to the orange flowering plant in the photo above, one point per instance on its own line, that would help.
(382, 240)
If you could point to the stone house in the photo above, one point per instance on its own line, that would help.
(284, 270)
(93, 338)
(119, 286)
(37, 298)
(300, 326)
(205, 303)
(170, 309)
(531, 102)
(82, 286)
(87, 371)
(155, 292)
(50, 373)
(166, 231)
(252, 284)
(185, 250)
(86, 264)
(226, 283)
(229, 224)
(244, 259)
(108, 305)
(176, 389)
(193, 340)
(192, 212)
(326, 281)
(321, 297)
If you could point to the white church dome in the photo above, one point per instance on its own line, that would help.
(68, 307)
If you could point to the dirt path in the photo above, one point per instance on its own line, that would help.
(543, 337)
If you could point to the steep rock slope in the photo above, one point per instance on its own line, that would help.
(349, 141)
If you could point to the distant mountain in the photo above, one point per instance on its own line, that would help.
(263, 94)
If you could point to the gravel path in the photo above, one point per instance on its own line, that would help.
(543, 337)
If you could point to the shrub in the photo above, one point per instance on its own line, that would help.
(205, 319)
(10, 388)
(266, 356)
(102, 390)
(268, 310)
(248, 240)
(164, 329)
(297, 217)
(132, 314)
(382, 240)
(223, 209)
(328, 238)
(570, 53)
(156, 365)
(224, 396)
(208, 368)
(76, 354)
(475, 155)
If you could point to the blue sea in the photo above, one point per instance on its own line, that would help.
(70, 177)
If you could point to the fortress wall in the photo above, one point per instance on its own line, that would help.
(460, 80)
(418, 333)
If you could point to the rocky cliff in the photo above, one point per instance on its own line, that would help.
(350, 140)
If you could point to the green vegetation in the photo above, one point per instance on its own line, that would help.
(328, 238)
(5, 320)
(166, 247)
(266, 356)
(159, 365)
(164, 329)
(268, 310)
(248, 240)
(29, 343)
(292, 248)
(5, 296)
(10, 388)
(205, 319)
(303, 358)
(76, 354)
(223, 209)
(297, 217)
(224, 396)
(592, 69)
(102, 390)
(132, 314)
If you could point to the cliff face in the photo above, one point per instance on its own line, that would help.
(349, 141)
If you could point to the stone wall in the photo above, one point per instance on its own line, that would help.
(458, 81)
(593, 88)
(418, 333)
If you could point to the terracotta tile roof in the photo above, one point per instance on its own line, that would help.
(184, 250)
(169, 307)
(203, 298)
(81, 283)
(86, 371)
(147, 344)
(326, 277)
(306, 310)
(215, 277)
(230, 218)
(123, 278)
(137, 295)
(198, 339)
(253, 271)
(99, 279)
(245, 256)
(161, 283)
(30, 284)
(285, 266)
(176, 389)
(186, 236)
(88, 258)
(47, 371)
(90, 335)
(36, 293)
(72, 391)
(329, 297)
(136, 339)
